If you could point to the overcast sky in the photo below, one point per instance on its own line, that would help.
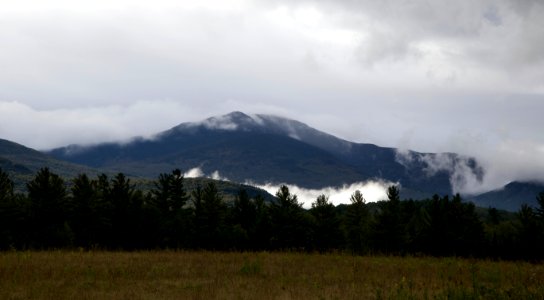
(463, 76)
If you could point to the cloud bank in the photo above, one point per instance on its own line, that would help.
(372, 190)
(433, 76)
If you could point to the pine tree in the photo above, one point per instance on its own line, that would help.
(85, 218)
(212, 214)
(6, 187)
(11, 212)
(124, 219)
(169, 198)
(390, 233)
(327, 234)
(290, 227)
(357, 223)
(48, 210)
(244, 218)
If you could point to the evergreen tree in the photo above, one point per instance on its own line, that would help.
(454, 227)
(169, 198)
(529, 233)
(178, 194)
(261, 239)
(357, 223)
(198, 217)
(85, 218)
(105, 212)
(11, 213)
(212, 217)
(244, 219)
(327, 234)
(290, 228)
(125, 209)
(6, 187)
(390, 235)
(540, 208)
(48, 210)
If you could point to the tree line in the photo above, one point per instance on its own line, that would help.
(110, 213)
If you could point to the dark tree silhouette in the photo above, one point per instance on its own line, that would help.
(540, 202)
(261, 239)
(290, 228)
(85, 218)
(454, 228)
(244, 219)
(112, 214)
(529, 232)
(6, 187)
(48, 210)
(390, 235)
(212, 215)
(11, 213)
(357, 224)
(126, 217)
(169, 198)
(327, 233)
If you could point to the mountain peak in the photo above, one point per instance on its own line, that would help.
(233, 121)
(237, 115)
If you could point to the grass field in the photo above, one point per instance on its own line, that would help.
(215, 275)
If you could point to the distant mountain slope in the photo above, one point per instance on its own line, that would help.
(240, 156)
(262, 149)
(22, 163)
(511, 196)
(19, 160)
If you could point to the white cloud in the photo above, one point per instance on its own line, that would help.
(466, 176)
(372, 191)
(44, 129)
(220, 122)
(194, 173)
(216, 176)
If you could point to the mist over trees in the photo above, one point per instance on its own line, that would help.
(110, 213)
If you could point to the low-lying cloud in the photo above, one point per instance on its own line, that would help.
(194, 173)
(372, 190)
(48, 128)
(465, 174)
(487, 165)
(505, 154)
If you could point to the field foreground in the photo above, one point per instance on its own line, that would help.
(213, 275)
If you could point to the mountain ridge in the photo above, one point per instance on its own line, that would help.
(262, 148)
(511, 196)
(267, 149)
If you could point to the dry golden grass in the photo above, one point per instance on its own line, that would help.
(213, 275)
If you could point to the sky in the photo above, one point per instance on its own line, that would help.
(461, 76)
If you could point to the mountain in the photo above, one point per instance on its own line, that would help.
(268, 149)
(21, 163)
(511, 196)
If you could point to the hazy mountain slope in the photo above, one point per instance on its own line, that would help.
(18, 159)
(511, 197)
(239, 156)
(21, 163)
(263, 149)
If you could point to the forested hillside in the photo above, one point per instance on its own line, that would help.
(110, 213)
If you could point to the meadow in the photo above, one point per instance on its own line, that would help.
(261, 275)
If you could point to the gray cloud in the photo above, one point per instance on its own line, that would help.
(436, 76)
(465, 174)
